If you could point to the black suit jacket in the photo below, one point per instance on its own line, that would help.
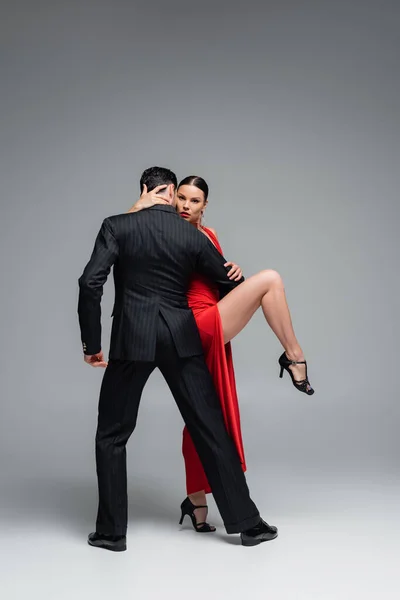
(154, 253)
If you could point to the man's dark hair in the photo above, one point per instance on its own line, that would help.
(157, 176)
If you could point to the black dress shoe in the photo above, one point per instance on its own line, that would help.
(258, 534)
(115, 543)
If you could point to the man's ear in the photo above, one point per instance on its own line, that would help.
(171, 191)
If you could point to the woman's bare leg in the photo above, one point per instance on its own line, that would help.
(265, 289)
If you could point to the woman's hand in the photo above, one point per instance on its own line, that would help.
(149, 199)
(235, 272)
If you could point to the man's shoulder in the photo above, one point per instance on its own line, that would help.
(119, 220)
(128, 217)
(119, 217)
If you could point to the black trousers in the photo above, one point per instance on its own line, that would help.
(191, 385)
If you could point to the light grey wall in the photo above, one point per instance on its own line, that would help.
(291, 112)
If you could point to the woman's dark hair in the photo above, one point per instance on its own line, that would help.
(198, 182)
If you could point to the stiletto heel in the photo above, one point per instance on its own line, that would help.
(304, 384)
(188, 508)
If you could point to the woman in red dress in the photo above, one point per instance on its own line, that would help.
(219, 321)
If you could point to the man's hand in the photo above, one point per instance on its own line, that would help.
(95, 360)
(149, 199)
(235, 273)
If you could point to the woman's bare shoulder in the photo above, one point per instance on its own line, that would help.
(212, 231)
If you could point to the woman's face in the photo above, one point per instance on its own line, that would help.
(190, 203)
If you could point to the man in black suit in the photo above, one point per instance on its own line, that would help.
(154, 252)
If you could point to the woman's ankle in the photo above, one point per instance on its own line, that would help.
(295, 353)
(198, 498)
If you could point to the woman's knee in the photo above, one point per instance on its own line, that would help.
(271, 277)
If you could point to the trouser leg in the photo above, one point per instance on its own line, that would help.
(191, 385)
(120, 395)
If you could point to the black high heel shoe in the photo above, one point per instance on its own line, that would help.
(304, 384)
(188, 508)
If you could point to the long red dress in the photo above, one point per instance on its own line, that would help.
(203, 297)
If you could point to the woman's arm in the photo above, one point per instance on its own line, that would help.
(149, 199)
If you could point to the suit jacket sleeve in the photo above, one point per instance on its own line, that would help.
(91, 283)
(211, 264)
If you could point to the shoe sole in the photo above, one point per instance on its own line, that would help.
(255, 541)
(113, 546)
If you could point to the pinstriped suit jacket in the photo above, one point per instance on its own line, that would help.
(154, 253)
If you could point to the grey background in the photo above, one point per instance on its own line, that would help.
(291, 113)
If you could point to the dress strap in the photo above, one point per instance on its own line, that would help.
(213, 238)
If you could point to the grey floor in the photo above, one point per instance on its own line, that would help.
(338, 539)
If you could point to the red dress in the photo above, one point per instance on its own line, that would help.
(203, 297)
